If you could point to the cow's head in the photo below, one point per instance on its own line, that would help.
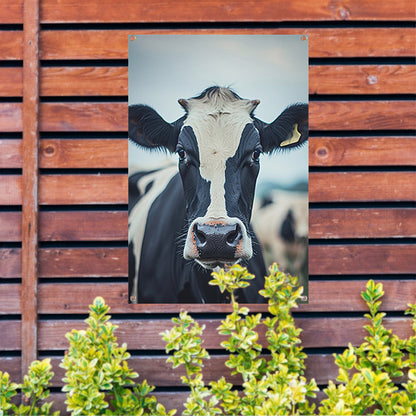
(219, 142)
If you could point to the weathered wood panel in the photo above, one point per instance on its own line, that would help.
(112, 188)
(362, 259)
(327, 43)
(362, 223)
(11, 11)
(362, 186)
(323, 115)
(11, 82)
(325, 296)
(112, 153)
(317, 332)
(11, 44)
(362, 151)
(362, 79)
(112, 261)
(10, 154)
(10, 300)
(232, 11)
(112, 225)
(112, 81)
(83, 153)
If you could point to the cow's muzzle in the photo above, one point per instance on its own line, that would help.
(217, 243)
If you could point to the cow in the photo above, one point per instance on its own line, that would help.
(281, 223)
(184, 225)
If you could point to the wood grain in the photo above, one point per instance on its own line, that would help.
(351, 259)
(362, 151)
(158, 372)
(362, 259)
(112, 225)
(10, 154)
(362, 223)
(325, 296)
(11, 11)
(83, 153)
(85, 81)
(11, 44)
(362, 79)
(11, 82)
(232, 11)
(112, 188)
(362, 115)
(10, 300)
(30, 182)
(145, 334)
(11, 117)
(362, 186)
(323, 43)
(324, 79)
(112, 153)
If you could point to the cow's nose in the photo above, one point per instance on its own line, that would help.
(217, 240)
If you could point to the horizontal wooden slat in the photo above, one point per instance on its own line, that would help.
(362, 151)
(362, 223)
(11, 82)
(11, 11)
(59, 226)
(13, 330)
(362, 259)
(324, 79)
(10, 154)
(85, 81)
(112, 225)
(112, 188)
(10, 117)
(362, 186)
(11, 45)
(83, 117)
(362, 79)
(10, 226)
(10, 299)
(158, 372)
(112, 153)
(362, 115)
(324, 296)
(145, 334)
(323, 115)
(214, 10)
(342, 42)
(83, 153)
(112, 262)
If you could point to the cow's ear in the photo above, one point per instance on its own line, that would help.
(290, 129)
(148, 129)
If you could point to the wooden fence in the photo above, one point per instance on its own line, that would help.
(63, 161)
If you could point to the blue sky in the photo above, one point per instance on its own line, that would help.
(271, 68)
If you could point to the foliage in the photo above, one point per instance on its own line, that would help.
(274, 386)
(367, 373)
(34, 388)
(98, 380)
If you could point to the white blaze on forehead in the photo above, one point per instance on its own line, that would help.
(218, 123)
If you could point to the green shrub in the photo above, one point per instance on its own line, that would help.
(98, 380)
(276, 386)
(34, 389)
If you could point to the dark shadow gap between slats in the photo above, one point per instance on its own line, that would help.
(346, 24)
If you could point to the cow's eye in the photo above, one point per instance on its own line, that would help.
(181, 154)
(255, 155)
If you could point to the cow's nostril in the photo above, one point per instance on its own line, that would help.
(234, 236)
(200, 236)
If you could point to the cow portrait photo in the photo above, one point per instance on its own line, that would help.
(218, 163)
